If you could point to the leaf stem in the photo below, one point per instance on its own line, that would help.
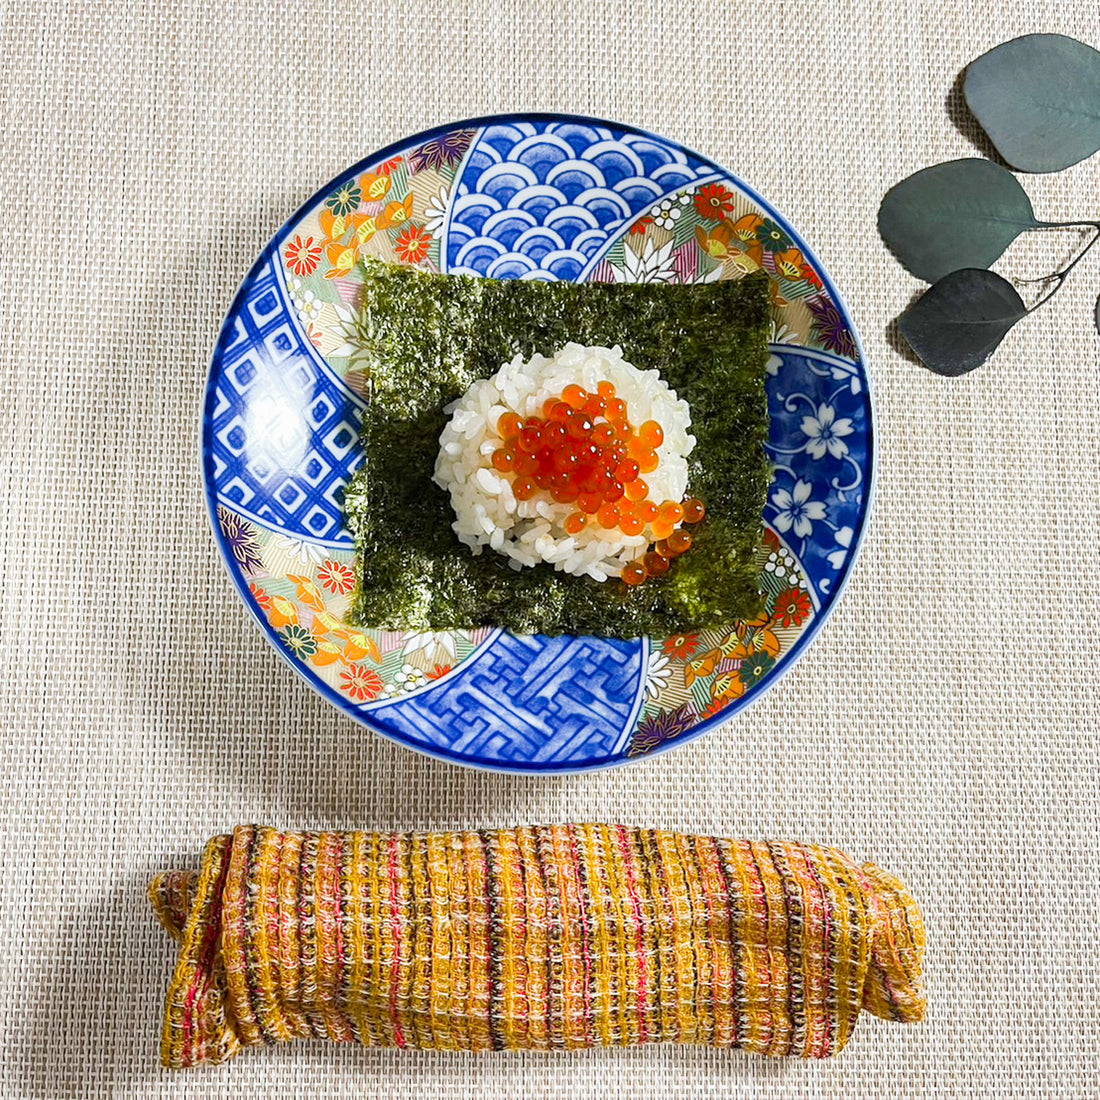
(1059, 277)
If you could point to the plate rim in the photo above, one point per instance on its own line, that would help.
(708, 725)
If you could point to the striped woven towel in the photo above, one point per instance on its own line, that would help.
(543, 938)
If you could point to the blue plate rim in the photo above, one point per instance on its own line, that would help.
(793, 655)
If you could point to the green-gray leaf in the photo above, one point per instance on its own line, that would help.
(964, 213)
(1038, 98)
(957, 324)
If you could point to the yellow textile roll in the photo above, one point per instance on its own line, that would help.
(549, 938)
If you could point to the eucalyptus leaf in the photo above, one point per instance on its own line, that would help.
(1038, 99)
(964, 213)
(958, 322)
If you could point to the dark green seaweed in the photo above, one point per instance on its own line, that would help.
(428, 337)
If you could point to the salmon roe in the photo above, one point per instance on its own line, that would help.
(584, 451)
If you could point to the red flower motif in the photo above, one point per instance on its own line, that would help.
(336, 577)
(639, 227)
(361, 683)
(681, 646)
(714, 202)
(412, 244)
(262, 599)
(811, 276)
(715, 706)
(792, 607)
(388, 166)
(438, 671)
(302, 257)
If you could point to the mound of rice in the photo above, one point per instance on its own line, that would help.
(487, 513)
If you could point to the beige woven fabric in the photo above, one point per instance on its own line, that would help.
(943, 724)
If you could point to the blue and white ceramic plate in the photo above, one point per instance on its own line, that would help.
(530, 196)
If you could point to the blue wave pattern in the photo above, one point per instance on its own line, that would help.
(283, 435)
(820, 445)
(528, 700)
(541, 200)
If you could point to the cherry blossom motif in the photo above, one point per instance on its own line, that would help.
(824, 433)
(796, 510)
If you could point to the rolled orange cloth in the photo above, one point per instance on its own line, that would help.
(548, 938)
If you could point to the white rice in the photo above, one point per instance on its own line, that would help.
(487, 513)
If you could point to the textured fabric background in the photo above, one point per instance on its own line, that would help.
(944, 724)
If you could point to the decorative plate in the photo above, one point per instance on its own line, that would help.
(522, 196)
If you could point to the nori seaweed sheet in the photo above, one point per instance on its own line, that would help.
(428, 337)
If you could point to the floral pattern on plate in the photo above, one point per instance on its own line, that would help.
(534, 197)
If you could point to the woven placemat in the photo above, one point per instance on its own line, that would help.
(942, 725)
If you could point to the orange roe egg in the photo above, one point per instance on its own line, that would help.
(595, 406)
(574, 396)
(554, 434)
(634, 573)
(530, 435)
(655, 564)
(579, 425)
(679, 542)
(583, 450)
(627, 471)
(608, 516)
(504, 458)
(508, 425)
(526, 464)
(603, 435)
(694, 510)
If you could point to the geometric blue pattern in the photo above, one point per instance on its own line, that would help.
(532, 700)
(266, 459)
(544, 199)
